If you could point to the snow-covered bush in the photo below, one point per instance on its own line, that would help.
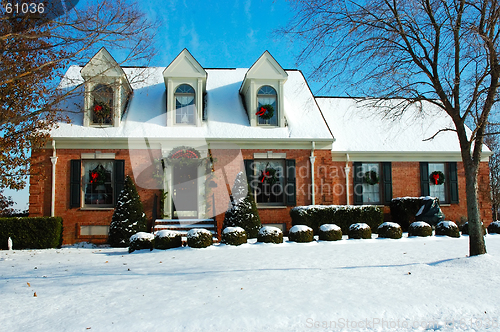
(167, 239)
(360, 231)
(234, 236)
(420, 228)
(330, 232)
(465, 228)
(301, 233)
(141, 240)
(341, 215)
(390, 230)
(128, 217)
(494, 227)
(448, 228)
(405, 210)
(199, 238)
(243, 211)
(269, 234)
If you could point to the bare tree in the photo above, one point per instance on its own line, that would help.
(35, 51)
(443, 52)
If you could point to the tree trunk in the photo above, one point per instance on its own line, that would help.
(476, 239)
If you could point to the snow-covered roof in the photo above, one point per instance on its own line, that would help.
(359, 126)
(226, 116)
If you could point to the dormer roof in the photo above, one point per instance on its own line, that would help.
(102, 64)
(185, 65)
(266, 67)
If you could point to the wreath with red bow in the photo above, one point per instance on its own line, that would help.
(102, 112)
(268, 176)
(437, 178)
(371, 178)
(98, 175)
(265, 112)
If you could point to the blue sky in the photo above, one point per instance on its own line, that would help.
(219, 34)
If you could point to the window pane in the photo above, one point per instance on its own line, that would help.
(271, 100)
(271, 182)
(371, 193)
(102, 108)
(437, 190)
(185, 104)
(98, 183)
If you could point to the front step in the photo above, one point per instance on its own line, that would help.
(185, 225)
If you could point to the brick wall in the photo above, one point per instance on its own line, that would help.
(330, 187)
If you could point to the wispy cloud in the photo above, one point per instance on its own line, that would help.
(248, 13)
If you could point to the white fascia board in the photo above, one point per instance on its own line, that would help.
(381, 156)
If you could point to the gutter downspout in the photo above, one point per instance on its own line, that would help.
(347, 170)
(312, 158)
(53, 159)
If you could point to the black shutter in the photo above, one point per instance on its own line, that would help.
(453, 182)
(358, 183)
(74, 183)
(249, 170)
(290, 187)
(119, 177)
(424, 179)
(387, 182)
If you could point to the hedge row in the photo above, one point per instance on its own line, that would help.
(344, 216)
(31, 233)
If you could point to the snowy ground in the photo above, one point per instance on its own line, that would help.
(378, 284)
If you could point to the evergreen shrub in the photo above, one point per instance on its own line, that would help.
(128, 217)
(234, 236)
(330, 232)
(494, 227)
(301, 234)
(141, 240)
(243, 210)
(341, 215)
(420, 228)
(448, 228)
(404, 210)
(167, 239)
(390, 230)
(465, 229)
(199, 238)
(31, 232)
(360, 231)
(270, 234)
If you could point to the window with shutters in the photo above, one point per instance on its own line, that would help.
(372, 183)
(98, 183)
(440, 180)
(272, 181)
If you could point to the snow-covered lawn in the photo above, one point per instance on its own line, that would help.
(377, 284)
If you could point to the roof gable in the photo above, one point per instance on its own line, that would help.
(185, 65)
(266, 67)
(102, 64)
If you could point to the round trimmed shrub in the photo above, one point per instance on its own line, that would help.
(234, 236)
(167, 239)
(301, 234)
(420, 228)
(494, 227)
(360, 231)
(330, 232)
(199, 238)
(270, 234)
(448, 228)
(141, 240)
(390, 230)
(465, 228)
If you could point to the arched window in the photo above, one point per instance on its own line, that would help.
(267, 96)
(185, 109)
(102, 108)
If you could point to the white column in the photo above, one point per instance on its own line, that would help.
(53, 159)
(347, 177)
(312, 159)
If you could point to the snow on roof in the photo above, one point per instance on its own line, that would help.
(360, 127)
(227, 117)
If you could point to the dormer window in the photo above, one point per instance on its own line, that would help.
(102, 109)
(185, 108)
(267, 96)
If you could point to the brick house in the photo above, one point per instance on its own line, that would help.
(184, 132)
